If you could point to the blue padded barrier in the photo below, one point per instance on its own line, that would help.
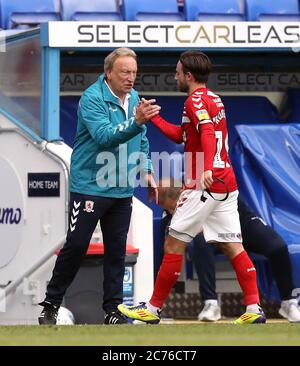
(266, 160)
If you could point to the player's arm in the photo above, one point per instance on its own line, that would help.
(170, 130)
(199, 115)
(208, 142)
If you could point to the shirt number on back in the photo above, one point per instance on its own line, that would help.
(218, 162)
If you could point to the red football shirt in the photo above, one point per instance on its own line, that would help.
(202, 110)
(203, 130)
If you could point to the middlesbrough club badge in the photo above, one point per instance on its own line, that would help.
(89, 205)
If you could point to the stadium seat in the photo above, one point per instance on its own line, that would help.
(154, 10)
(90, 10)
(25, 14)
(211, 10)
(272, 10)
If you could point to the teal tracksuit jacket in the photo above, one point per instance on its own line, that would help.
(107, 150)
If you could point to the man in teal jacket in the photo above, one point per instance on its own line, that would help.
(110, 149)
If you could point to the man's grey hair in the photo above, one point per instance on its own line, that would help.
(118, 52)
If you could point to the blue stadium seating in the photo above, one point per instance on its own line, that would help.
(211, 10)
(153, 10)
(272, 10)
(23, 14)
(90, 10)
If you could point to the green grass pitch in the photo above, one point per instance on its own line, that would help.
(185, 334)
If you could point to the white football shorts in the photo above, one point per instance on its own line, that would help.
(219, 220)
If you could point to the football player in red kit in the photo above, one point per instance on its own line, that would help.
(209, 201)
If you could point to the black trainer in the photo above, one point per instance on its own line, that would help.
(49, 314)
(115, 317)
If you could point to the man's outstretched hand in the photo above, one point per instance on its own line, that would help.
(145, 110)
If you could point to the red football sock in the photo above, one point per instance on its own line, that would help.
(166, 278)
(246, 275)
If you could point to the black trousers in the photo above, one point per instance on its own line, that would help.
(84, 213)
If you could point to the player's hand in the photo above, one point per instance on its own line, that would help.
(152, 188)
(146, 110)
(207, 178)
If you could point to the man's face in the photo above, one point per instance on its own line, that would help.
(180, 77)
(122, 75)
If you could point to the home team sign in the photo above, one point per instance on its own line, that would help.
(174, 34)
